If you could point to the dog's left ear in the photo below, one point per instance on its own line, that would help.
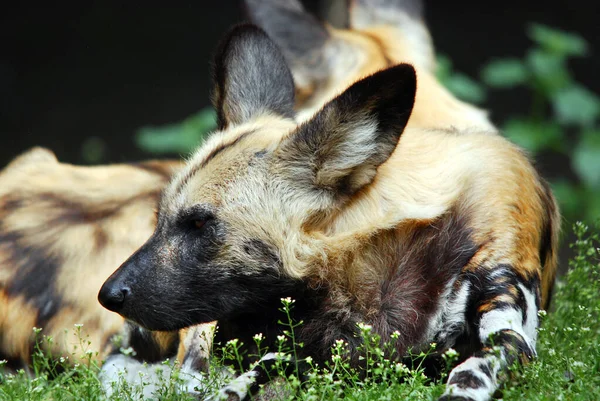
(339, 150)
(251, 78)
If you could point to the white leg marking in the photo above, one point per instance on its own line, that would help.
(473, 366)
(532, 322)
(498, 320)
(149, 378)
(238, 386)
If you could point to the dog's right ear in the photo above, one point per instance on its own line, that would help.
(301, 37)
(251, 78)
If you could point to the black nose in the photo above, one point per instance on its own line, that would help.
(113, 297)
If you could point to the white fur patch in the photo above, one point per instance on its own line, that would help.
(498, 320)
(238, 386)
(532, 322)
(472, 365)
(149, 379)
(450, 313)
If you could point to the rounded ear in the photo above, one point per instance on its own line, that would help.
(339, 150)
(251, 78)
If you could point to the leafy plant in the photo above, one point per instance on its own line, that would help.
(179, 137)
(563, 116)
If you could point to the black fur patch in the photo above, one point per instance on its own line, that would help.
(262, 252)
(33, 277)
(466, 379)
(455, 398)
(546, 238)
(485, 289)
(514, 344)
(485, 369)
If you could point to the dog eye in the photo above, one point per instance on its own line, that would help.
(198, 223)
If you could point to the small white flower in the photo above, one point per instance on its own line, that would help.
(78, 325)
(233, 342)
(365, 327)
(395, 335)
(258, 337)
(308, 360)
(281, 338)
(451, 353)
(542, 313)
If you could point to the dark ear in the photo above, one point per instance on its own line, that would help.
(300, 36)
(251, 77)
(340, 148)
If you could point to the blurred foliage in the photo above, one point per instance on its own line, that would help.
(179, 137)
(461, 85)
(563, 118)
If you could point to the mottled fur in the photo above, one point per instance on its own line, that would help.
(442, 234)
(63, 228)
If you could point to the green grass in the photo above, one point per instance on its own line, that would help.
(567, 367)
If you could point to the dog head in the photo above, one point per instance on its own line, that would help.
(236, 228)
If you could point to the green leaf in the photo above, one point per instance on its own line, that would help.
(586, 159)
(465, 88)
(558, 42)
(443, 67)
(534, 136)
(549, 71)
(576, 105)
(504, 73)
(179, 137)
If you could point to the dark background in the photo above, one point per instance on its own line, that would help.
(104, 69)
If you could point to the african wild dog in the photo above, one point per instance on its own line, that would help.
(382, 34)
(63, 228)
(444, 234)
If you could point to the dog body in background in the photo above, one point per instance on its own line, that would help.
(439, 234)
(63, 228)
(325, 60)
